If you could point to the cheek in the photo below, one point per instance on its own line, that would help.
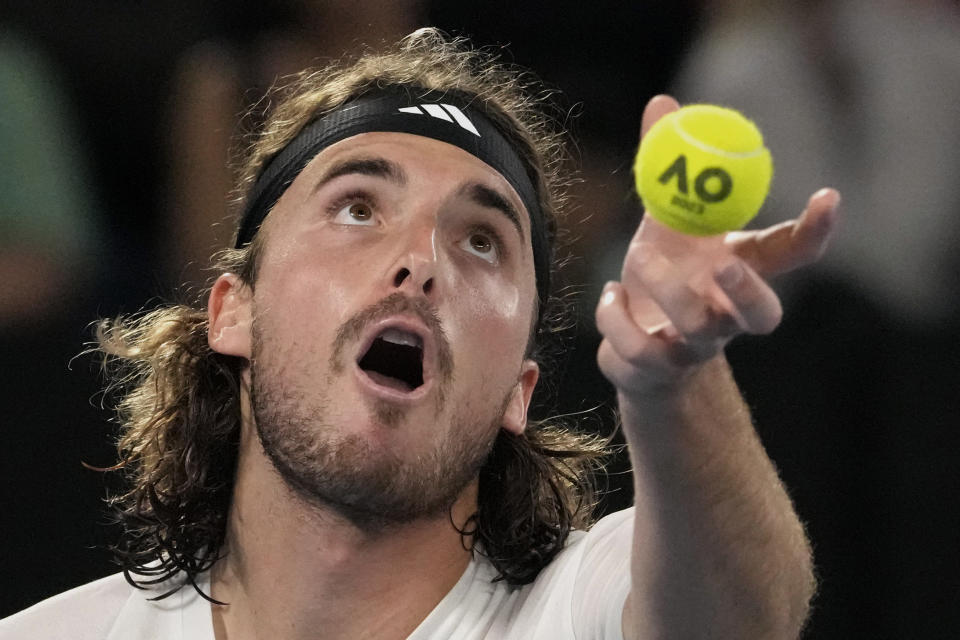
(495, 322)
(500, 305)
(309, 283)
(299, 313)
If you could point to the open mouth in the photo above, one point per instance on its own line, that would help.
(395, 360)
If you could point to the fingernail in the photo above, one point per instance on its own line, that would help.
(730, 275)
(828, 192)
(607, 294)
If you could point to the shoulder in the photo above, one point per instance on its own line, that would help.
(611, 526)
(112, 609)
(581, 592)
(587, 583)
(88, 611)
(609, 539)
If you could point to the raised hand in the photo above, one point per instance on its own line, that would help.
(701, 323)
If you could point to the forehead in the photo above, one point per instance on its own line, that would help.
(424, 163)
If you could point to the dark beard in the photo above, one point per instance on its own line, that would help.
(371, 487)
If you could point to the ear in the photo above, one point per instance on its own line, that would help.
(515, 416)
(229, 315)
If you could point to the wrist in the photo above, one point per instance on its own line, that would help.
(700, 411)
(673, 392)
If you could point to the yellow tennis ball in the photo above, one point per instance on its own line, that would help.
(703, 170)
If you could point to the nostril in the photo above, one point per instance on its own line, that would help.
(427, 286)
(401, 276)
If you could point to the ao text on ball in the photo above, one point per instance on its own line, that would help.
(711, 185)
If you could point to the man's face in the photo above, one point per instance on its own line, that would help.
(391, 313)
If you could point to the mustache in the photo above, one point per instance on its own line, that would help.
(396, 304)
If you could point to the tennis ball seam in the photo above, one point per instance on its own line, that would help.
(715, 150)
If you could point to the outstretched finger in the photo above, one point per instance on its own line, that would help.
(791, 244)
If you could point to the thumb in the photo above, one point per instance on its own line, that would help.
(658, 107)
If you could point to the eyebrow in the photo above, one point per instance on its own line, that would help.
(486, 197)
(376, 167)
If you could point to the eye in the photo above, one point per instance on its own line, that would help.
(483, 244)
(355, 213)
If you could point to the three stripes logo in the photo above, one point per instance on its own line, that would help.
(446, 112)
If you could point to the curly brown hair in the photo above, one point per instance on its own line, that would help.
(179, 401)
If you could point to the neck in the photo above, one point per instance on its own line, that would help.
(293, 570)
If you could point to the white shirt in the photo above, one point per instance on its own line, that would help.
(579, 595)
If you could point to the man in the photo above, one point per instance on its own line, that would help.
(338, 446)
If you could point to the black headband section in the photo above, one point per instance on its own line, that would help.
(447, 117)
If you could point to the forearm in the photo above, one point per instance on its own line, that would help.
(718, 549)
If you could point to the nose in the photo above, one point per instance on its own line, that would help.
(415, 269)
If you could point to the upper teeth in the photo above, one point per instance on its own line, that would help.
(397, 336)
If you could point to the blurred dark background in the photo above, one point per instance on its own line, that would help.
(115, 124)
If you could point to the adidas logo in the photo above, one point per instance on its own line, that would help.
(446, 112)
